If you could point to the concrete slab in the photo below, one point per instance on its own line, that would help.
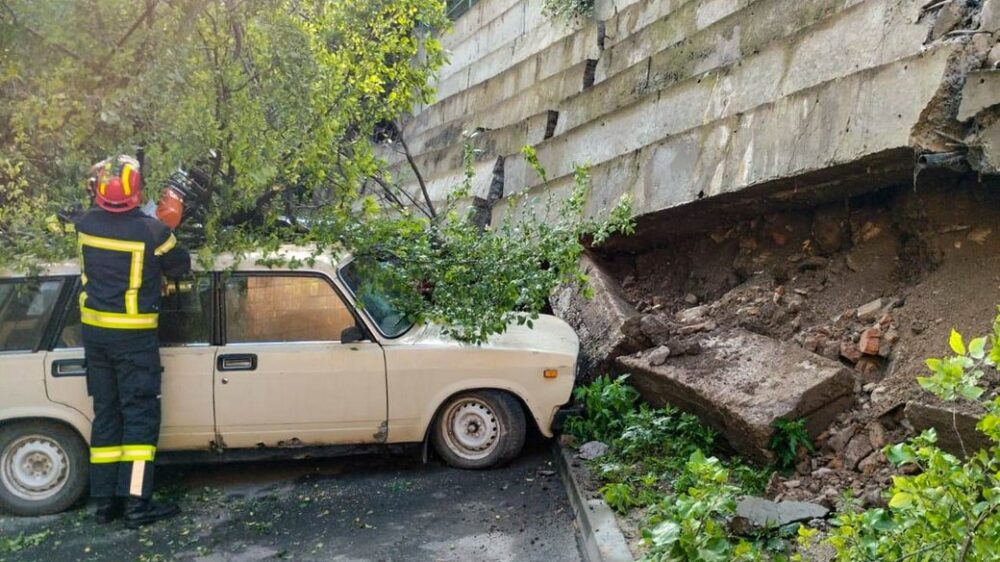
(742, 383)
(602, 321)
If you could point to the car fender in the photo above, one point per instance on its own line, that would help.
(54, 412)
(543, 419)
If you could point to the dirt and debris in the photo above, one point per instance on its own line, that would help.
(874, 283)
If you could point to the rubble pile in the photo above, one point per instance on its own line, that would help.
(826, 313)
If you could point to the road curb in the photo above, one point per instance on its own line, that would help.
(598, 536)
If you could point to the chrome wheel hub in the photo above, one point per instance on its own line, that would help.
(34, 468)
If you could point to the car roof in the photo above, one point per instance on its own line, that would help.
(298, 258)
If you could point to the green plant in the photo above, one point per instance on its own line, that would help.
(568, 9)
(690, 527)
(649, 447)
(789, 436)
(947, 508)
(620, 496)
(606, 405)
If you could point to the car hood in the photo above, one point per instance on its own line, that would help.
(547, 334)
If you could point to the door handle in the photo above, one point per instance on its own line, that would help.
(237, 362)
(69, 368)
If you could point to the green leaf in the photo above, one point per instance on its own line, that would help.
(901, 500)
(955, 342)
(977, 348)
(971, 392)
(899, 454)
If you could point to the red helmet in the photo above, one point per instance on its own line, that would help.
(118, 184)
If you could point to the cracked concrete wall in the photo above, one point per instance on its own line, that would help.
(681, 101)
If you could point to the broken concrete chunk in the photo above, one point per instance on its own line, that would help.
(840, 440)
(981, 90)
(951, 15)
(659, 356)
(984, 149)
(706, 326)
(870, 311)
(606, 323)
(989, 18)
(858, 448)
(656, 328)
(956, 431)
(591, 450)
(762, 513)
(692, 315)
(743, 382)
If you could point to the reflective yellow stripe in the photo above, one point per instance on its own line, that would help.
(137, 251)
(125, 182)
(134, 282)
(105, 455)
(138, 452)
(83, 278)
(166, 246)
(118, 320)
(110, 243)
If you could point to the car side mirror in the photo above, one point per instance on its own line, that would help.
(351, 334)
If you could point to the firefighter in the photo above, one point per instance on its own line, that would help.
(125, 254)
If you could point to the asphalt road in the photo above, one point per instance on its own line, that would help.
(346, 510)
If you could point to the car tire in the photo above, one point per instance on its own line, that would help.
(480, 429)
(43, 467)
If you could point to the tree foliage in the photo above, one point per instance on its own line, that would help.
(278, 106)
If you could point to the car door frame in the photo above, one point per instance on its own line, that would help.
(375, 435)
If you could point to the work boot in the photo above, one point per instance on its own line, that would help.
(139, 512)
(109, 509)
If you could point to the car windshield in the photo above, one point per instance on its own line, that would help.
(375, 302)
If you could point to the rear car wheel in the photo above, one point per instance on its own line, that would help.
(479, 429)
(43, 467)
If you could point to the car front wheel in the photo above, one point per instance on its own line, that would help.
(43, 467)
(479, 429)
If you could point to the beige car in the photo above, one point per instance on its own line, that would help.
(264, 361)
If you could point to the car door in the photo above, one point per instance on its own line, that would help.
(283, 377)
(186, 352)
(27, 306)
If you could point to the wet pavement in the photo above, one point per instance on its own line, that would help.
(374, 508)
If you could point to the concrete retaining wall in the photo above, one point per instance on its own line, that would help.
(683, 101)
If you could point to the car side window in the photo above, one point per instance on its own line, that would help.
(185, 311)
(279, 308)
(25, 308)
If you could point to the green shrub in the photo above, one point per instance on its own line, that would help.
(606, 403)
(691, 526)
(789, 436)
